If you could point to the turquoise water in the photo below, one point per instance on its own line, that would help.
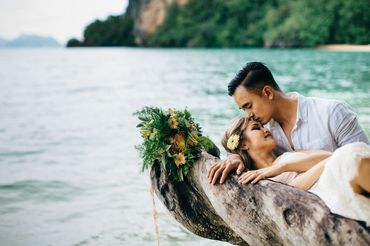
(69, 171)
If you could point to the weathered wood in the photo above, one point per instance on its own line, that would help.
(266, 213)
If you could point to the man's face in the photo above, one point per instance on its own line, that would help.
(257, 106)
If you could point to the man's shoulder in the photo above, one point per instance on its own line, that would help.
(321, 101)
(323, 104)
(327, 110)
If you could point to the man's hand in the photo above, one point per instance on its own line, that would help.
(224, 167)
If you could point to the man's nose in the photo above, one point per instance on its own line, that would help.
(250, 114)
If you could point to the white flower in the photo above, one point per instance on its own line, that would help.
(233, 141)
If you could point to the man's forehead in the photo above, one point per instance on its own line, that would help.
(242, 99)
(244, 93)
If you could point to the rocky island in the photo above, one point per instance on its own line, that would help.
(236, 23)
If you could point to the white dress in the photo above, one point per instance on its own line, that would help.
(333, 186)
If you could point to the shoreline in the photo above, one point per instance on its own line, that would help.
(345, 47)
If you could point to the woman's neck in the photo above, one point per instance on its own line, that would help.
(262, 159)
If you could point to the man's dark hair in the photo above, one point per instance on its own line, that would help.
(254, 75)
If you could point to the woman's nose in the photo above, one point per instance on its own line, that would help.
(250, 114)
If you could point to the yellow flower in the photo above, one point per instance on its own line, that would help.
(192, 142)
(178, 142)
(180, 159)
(172, 112)
(233, 141)
(173, 122)
(152, 135)
(145, 133)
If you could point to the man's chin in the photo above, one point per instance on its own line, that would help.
(264, 121)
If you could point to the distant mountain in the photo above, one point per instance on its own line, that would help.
(30, 41)
(3, 42)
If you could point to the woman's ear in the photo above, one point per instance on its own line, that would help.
(245, 147)
(268, 91)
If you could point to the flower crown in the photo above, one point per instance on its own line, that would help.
(233, 141)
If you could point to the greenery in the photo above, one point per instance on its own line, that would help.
(271, 23)
(74, 43)
(172, 139)
(114, 31)
(244, 23)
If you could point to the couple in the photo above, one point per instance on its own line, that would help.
(295, 146)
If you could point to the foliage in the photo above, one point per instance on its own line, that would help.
(73, 43)
(352, 22)
(270, 23)
(211, 23)
(243, 23)
(171, 139)
(114, 31)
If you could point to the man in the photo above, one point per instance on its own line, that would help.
(295, 121)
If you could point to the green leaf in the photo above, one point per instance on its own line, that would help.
(157, 149)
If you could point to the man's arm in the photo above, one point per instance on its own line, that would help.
(345, 127)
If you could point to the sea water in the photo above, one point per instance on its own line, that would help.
(69, 172)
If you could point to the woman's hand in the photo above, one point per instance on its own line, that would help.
(254, 176)
(224, 167)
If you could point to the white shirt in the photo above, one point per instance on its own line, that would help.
(320, 124)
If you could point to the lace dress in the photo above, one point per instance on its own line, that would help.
(333, 186)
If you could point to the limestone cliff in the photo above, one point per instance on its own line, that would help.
(148, 15)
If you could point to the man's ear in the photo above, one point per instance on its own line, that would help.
(268, 91)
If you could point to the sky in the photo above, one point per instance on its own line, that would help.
(60, 19)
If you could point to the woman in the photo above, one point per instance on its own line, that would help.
(341, 179)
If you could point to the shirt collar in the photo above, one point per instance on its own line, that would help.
(301, 107)
(302, 110)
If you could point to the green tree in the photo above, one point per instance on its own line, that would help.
(353, 22)
(73, 43)
(114, 31)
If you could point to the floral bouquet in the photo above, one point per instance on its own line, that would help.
(172, 139)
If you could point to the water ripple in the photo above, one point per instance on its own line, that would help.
(37, 191)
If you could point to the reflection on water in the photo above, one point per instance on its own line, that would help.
(69, 171)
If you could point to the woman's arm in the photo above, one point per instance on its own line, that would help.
(309, 178)
(302, 164)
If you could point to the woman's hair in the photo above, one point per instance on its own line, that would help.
(236, 128)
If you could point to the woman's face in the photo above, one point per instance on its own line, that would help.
(258, 138)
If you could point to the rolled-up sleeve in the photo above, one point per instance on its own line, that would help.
(344, 125)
